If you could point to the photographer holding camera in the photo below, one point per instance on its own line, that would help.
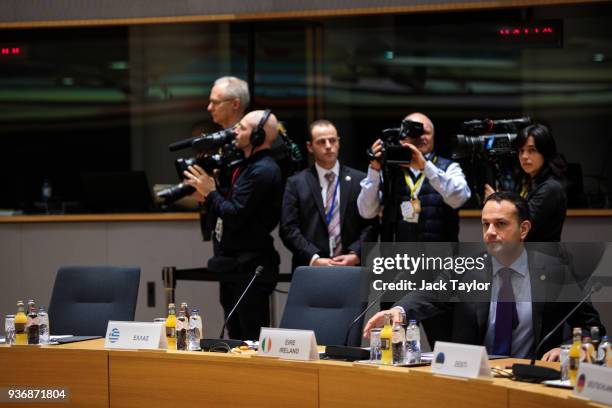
(247, 214)
(425, 194)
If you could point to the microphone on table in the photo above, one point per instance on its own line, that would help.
(350, 353)
(533, 373)
(227, 344)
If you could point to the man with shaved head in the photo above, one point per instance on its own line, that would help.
(431, 189)
(247, 214)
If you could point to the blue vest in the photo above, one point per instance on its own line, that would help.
(438, 222)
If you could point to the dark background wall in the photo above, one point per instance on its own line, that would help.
(19, 11)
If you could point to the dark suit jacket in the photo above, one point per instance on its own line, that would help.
(303, 228)
(469, 315)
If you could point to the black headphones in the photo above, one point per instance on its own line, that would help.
(258, 135)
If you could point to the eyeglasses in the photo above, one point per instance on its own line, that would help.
(216, 102)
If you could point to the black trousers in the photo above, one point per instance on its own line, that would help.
(252, 314)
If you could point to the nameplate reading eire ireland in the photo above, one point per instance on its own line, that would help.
(288, 343)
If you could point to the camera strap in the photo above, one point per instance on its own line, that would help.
(235, 175)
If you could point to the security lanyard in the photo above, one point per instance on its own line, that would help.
(415, 187)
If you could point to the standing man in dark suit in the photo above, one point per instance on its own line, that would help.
(530, 285)
(320, 222)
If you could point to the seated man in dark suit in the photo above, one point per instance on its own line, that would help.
(320, 222)
(529, 283)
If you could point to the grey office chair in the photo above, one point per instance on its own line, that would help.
(327, 300)
(85, 298)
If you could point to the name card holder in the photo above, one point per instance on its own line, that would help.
(135, 335)
(594, 382)
(289, 344)
(460, 360)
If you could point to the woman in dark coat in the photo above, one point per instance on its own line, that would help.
(542, 184)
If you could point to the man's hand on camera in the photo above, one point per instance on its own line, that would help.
(377, 151)
(197, 178)
(418, 160)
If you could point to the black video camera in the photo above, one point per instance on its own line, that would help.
(214, 151)
(487, 138)
(393, 153)
(490, 152)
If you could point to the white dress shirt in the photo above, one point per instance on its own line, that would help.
(450, 184)
(321, 172)
(522, 336)
(323, 181)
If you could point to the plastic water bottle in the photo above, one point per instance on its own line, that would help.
(195, 331)
(398, 343)
(44, 326)
(413, 343)
(603, 350)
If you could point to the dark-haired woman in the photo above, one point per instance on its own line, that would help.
(542, 184)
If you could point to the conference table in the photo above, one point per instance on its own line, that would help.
(97, 377)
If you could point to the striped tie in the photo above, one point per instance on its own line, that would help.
(333, 228)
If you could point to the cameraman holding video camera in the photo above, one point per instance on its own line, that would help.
(247, 214)
(426, 193)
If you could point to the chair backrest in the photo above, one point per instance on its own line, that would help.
(584, 257)
(327, 300)
(85, 298)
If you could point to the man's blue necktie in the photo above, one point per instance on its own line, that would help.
(506, 316)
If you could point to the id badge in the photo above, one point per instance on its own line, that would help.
(416, 205)
(408, 212)
(219, 229)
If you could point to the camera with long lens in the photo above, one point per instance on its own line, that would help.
(214, 152)
(206, 143)
(489, 150)
(393, 153)
(487, 138)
